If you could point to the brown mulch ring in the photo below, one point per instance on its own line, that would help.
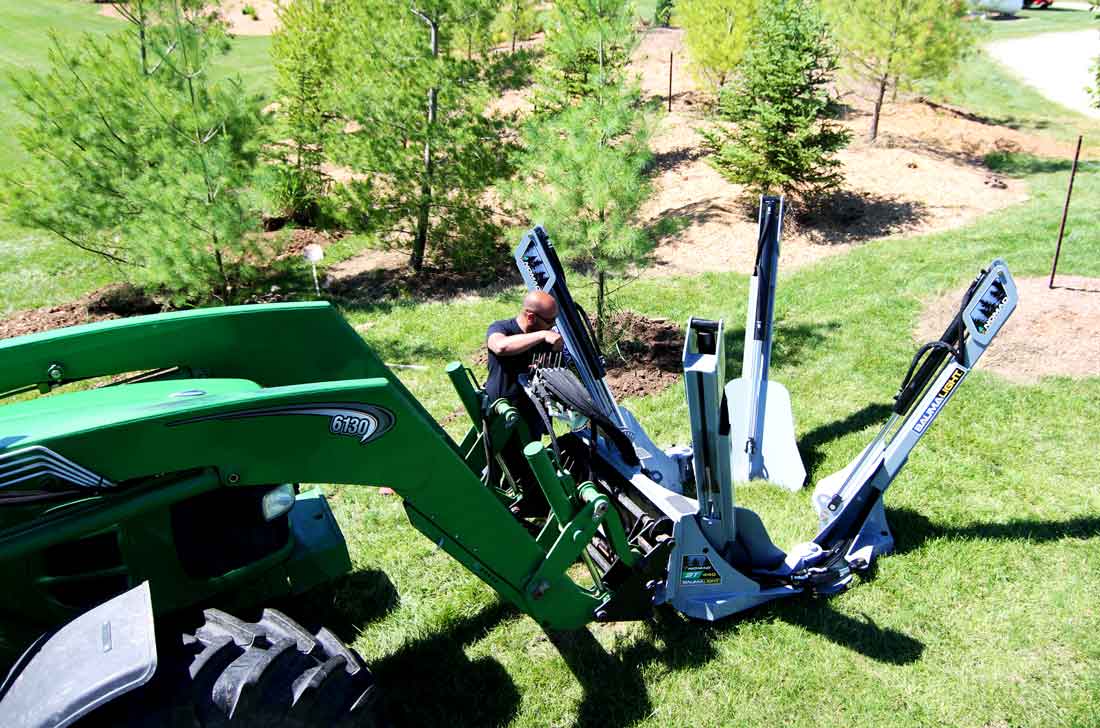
(1052, 332)
(383, 275)
(111, 302)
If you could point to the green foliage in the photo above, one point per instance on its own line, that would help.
(137, 156)
(301, 53)
(473, 26)
(897, 42)
(583, 175)
(662, 13)
(250, 11)
(422, 153)
(516, 20)
(588, 46)
(583, 171)
(716, 34)
(780, 101)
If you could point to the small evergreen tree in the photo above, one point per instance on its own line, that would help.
(584, 175)
(301, 52)
(893, 43)
(136, 155)
(716, 34)
(784, 139)
(584, 165)
(424, 153)
(662, 13)
(517, 20)
(588, 46)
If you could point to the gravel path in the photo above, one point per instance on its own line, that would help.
(1057, 64)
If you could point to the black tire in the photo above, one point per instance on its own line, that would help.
(267, 674)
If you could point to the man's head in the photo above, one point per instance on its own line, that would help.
(539, 312)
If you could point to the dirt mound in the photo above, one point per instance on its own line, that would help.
(114, 301)
(647, 356)
(1051, 333)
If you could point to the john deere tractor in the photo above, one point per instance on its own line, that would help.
(152, 464)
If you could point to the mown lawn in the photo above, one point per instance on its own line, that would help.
(986, 617)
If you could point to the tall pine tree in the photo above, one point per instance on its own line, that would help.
(583, 169)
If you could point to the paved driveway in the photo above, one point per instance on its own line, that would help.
(1057, 64)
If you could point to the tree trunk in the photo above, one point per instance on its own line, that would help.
(601, 303)
(420, 244)
(883, 83)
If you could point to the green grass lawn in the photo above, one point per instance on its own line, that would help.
(986, 616)
(984, 87)
(1052, 20)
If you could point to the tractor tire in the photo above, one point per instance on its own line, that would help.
(267, 674)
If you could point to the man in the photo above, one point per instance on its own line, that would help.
(513, 345)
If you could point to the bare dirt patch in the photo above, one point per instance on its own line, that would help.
(895, 187)
(112, 302)
(263, 22)
(647, 356)
(1051, 333)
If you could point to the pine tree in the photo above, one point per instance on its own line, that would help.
(301, 53)
(423, 152)
(517, 20)
(583, 169)
(779, 100)
(587, 49)
(893, 43)
(716, 34)
(136, 155)
(583, 175)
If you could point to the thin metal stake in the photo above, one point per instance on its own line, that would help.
(670, 81)
(1065, 213)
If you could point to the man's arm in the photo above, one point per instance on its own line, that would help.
(503, 345)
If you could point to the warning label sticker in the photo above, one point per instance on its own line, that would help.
(697, 569)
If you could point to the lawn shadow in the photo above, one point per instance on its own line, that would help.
(1020, 164)
(790, 343)
(432, 682)
(347, 604)
(811, 444)
(912, 529)
(615, 693)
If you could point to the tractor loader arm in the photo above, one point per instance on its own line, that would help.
(251, 396)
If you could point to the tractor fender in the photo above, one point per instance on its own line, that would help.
(102, 654)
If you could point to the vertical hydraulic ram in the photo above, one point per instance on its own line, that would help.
(762, 441)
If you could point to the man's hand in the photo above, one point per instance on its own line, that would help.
(553, 338)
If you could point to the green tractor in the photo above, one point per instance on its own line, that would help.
(158, 469)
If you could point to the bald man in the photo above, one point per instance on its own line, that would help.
(513, 344)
